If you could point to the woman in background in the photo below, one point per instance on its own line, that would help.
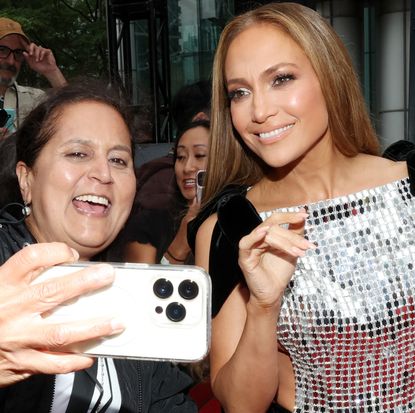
(155, 236)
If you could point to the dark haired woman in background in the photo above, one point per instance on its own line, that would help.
(160, 235)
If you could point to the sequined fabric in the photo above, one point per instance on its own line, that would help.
(348, 314)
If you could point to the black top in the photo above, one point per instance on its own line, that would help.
(151, 226)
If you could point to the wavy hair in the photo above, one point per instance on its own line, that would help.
(230, 161)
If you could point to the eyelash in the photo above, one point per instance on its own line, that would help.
(282, 78)
(119, 162)
(279, 80)
(76, 155)
(81, 155)
(181, 157)
(237, 94)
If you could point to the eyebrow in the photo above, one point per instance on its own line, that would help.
(265, 73)
(193, 146)
(118, 147)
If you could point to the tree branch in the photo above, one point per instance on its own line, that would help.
(85, 16)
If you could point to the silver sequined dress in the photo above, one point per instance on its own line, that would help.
(348, 314)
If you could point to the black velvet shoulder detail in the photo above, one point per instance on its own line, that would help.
(399, 150)
(237, 217)
(209, 209)
(410, 160)
(403, 151)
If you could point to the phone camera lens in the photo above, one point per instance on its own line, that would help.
(163, 288)
(176, 312)
(188, 289)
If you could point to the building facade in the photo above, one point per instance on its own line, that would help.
(158, 46)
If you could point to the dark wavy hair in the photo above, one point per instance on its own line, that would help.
(40, 124)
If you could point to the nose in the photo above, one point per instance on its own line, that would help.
(190, 164)
(262, 107)
(101, 171)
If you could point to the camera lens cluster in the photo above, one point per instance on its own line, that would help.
(188, 290)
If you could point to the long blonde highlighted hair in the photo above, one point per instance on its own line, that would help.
(230, 161)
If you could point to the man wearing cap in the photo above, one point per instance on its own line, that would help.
(15, 47)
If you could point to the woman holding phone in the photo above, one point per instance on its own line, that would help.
(75, 170)
(161, 235)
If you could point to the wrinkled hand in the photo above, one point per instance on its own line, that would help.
(40, 60)
(268, 255)
(29, 343)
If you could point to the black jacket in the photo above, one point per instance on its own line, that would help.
(146, 386)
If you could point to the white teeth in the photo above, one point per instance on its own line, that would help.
(275, 132)
(189, 181)
(94, 199)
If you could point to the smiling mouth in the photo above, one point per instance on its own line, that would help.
(189, 183)
(275, 132)
(92, 204)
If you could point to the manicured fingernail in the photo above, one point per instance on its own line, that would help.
(117, 325)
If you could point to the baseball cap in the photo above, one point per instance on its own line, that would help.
(9, 26)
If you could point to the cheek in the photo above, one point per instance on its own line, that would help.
(202, 163)
(54, 180)
(308, 101)
(236, 117)
(125, 183)
(178, 171)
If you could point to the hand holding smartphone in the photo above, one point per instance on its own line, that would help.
(7, 118)
(200, 177)
(166, 311)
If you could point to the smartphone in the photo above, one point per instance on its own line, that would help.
(7, 118)
(200, 177)
(166, 310)
(11, 116)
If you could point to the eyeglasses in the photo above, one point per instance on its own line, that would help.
(17, 53)
(4, 117)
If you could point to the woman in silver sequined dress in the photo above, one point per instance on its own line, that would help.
(323, 320)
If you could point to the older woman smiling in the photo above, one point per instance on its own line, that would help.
(76, 175)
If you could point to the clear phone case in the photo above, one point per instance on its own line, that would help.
(166, 310)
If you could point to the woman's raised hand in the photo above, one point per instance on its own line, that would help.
(268, 256)
(29, 343)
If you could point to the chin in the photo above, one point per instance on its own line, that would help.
(189, 197)
(94, 245)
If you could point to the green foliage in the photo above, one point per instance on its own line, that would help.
(75, 30)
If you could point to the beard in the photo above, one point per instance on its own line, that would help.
(7, 80)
